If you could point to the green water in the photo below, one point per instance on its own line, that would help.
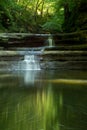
(30, 100)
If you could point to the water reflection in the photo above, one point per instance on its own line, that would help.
(30, 77)
(45, 106)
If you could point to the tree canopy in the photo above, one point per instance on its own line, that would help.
(43, 16)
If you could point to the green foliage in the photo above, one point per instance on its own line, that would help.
(75, 15)
(54, 24)
(42, 15)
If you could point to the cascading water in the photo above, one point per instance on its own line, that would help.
(28, 68)
(50, 41)
(30, 62)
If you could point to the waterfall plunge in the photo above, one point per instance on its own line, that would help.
(30, 62)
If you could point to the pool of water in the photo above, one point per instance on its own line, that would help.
(43, 100)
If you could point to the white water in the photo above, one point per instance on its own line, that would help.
(50, 41)
(30, 62)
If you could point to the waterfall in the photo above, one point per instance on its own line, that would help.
(50, 41)
(30, 62)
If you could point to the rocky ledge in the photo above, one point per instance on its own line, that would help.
(48, 59)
